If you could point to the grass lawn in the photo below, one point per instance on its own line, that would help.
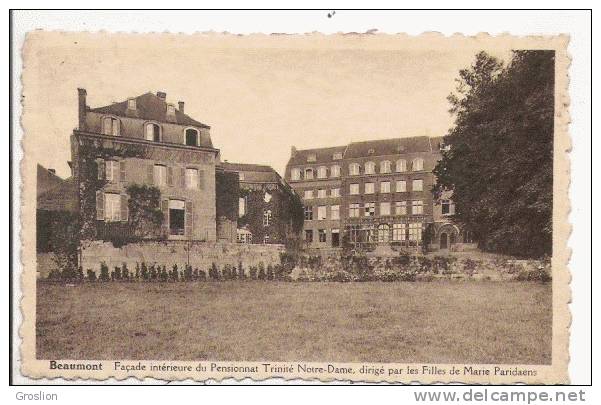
(442, 322)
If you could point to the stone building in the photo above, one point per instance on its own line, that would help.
(383, 192)
(144, 141)
(269, 211)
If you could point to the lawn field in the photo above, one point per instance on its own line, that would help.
(441, 322)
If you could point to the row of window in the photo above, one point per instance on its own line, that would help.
(322, 236)
(386, 208)
(152, 131)
(312, 157)
(163, 176)
(385, 187)
(322, 193)
(398, 232)
(367, 210)
(321, 172)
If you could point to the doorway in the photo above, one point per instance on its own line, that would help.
(335, 238)
(444, 241)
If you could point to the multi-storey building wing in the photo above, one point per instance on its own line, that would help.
(144, 140)
(383, 195)
(316, 175)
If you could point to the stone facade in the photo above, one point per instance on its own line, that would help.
(385, 195)
(144, 141)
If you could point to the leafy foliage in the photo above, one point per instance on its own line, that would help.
(499, 160)
(145, 215)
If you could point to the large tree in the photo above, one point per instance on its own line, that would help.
(499, 156)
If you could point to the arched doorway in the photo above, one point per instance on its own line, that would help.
(444, 242)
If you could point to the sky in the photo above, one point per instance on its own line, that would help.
(259, 97)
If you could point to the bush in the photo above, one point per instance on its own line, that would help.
(261, 275)
(104, 272)
(214, 272)
(144, 272)
(137, 276)
(91, 275)
(270, 272)
(117, 273)
(241, 274)
(202, 275)
(124, 272)
(539, 274)
(253, 272)
(152, 273)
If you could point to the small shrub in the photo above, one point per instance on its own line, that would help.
(117, 273)
(144, 272)
(202, 275)
(253, 272)
(214, 271)
(261, 275)
(104, 272)
(124, 272)
(539, 274)
(153, 273)
(241, 274)
(270, 272)
(91, 275)
(137, 276)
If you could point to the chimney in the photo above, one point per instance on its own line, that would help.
(180, 107)
(82, 109)
(162, 95)
(293, 151)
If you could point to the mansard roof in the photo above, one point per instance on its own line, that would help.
(253, 172)
(384, 147)
(149, 106)
(322, 155)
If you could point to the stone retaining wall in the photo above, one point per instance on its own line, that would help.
(198, 254)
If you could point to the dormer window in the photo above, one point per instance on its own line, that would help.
(131, 104)
(371, 152)
(308, 174)
(385, 166)
(370, 168)
(337, 156)
(401, 165)
(322, 172)
(153, 132)
(111, 126)
(170, 109)
(418, 164)
(311, 158)
(192, 137)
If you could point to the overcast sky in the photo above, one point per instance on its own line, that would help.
(258, 100)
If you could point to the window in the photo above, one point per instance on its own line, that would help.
(384, 187)
(241, 207)
(446, 207)
(370, 168)
(335, 212)
(112, 207)
(266, 239)
(335, 192)
(468, 237)
(110, 126)
(415, 231)
(170, 109)
(399, 232)
(417, 207)
(383, 233)
(354, 232)
(322, 235)
(322, 193)
(311, 158)
(385, 166)
(335, 237)
(131, 104)
(308, 174)
(159, 175)
(308, 213)
(308, 235)
(353, 169)
(241, 176)
(384, 208)
(401, 186)
(111, 170)
(354, 189)
(400, 208)
(353, 210)
(418, 185)
(153, 132)
(418, 164)
(308, 194)
(335, 171)
(401, 165)
(266, 217)
(322, 172)
(192, 178)
(369, 188)
(192, 137)
(369, 209)
(322, 212)
(177, 215)
(244, 236)
(337, 156)
(295, 174)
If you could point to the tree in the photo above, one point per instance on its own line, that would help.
(498, 160)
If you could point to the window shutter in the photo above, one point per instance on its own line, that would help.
(100, 205)
(188, 220)
(183, 177)
(101, 169)
(170, 176)
(165, 210)
(201, 179)
(122, 176)
(150, 174)
(124, 208)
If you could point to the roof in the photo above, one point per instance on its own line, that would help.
(62, 197)
(393, 146)
(46, 179)
(253, 173)
(149, 106)
(322, 155)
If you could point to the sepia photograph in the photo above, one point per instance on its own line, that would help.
(362, 207)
